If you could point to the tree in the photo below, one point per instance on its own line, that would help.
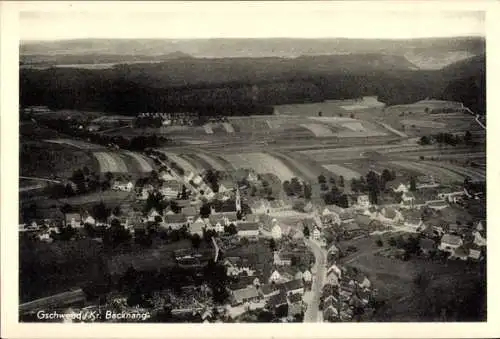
(379, 243)
(343, 201)
(66, 208)
(230, 229)
(386, 175)
(392, 242)
(205, 210)
(373, 196)
(108, 176)
(413, 184)
(101, 212)
(321, 179)
(195, 241)
(468, 138)
(307, 192)
(184, 193)
(424, 140)
(306, 232)
(332, 180)
(354, 185)
(341, 181)
(324, 187)
(117, 211)
(272, 245)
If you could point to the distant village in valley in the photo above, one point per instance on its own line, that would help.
(215, 246)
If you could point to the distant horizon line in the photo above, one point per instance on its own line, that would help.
(256, 38)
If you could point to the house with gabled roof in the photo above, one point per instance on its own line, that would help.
(346, 217)
(197, 226)
(248, 230)
(269, 290)
(175, 221)
(244, 295)
(73, 219)
(190, 213)
(277, 300)
(293, 286)
(450, 242)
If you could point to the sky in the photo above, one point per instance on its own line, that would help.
(245, 20)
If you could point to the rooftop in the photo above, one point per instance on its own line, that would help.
(451, 239)
(248, 226)
(246, 293)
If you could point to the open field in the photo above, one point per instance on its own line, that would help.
(75, 143)
(216, 163)
(339, 170)
(48, 160)
(142, 161)
(318, 130)
(261, 163)
(305, 170)
(474, 173)
(423, 123)
(184, 164)
(108, 197)
(442, 174)
(110, 162)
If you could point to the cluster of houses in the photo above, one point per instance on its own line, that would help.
(346, 292)
(256, 288)
(461, 242)
(168, 119)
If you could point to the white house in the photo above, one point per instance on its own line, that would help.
(407, 200)
(276, 232)
(123, 186)
(450, 242)
(89, 220)
(479, 240)
(335, 270)
(197, 180)
(153, 213)
(363, 201)
(45, 237)
(413, 223)
(275, 277)
(401, 188)
(73, 219)
(316, 234)
(307, 276)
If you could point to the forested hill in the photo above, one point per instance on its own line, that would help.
(240, 86)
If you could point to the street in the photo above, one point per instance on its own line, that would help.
(312, 298)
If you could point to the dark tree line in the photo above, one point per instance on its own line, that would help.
(210, 91)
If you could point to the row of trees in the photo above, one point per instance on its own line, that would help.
(447, 139)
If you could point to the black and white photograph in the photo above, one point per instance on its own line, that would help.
(229, 163)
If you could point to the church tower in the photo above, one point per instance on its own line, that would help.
(238, 200)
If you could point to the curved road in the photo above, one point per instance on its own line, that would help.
(319, 275)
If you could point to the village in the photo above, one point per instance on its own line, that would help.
(244, 249)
